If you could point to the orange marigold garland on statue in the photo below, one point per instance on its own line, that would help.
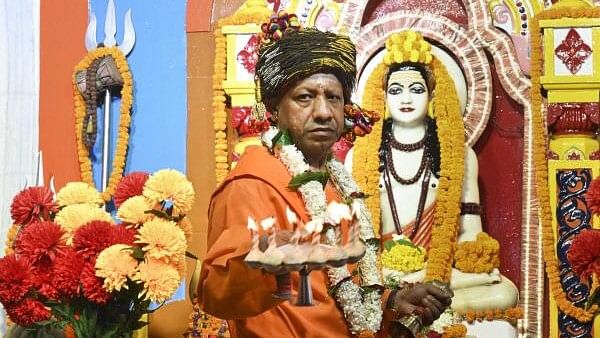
(510, 315)
(541, 168)
(118, 162)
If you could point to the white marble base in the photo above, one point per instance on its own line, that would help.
(491, 329)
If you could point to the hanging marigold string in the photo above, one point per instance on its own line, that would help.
(539, 159)
(118, 163)
(244, 16)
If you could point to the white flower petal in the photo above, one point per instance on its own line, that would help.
(291, 216)
(267, 223)
(252, 224)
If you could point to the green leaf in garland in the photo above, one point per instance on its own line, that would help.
(282, 138)
(388, 245)
(307, 176)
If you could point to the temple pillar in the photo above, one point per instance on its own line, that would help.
(570, 78)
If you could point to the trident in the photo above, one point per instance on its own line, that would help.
(107, 77)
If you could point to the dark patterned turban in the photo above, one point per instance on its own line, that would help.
(301, 54)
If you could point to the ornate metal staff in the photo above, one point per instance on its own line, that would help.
(101, 77)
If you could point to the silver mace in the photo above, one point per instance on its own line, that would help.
(107, 74)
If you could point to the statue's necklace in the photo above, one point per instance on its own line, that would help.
(425, 166)
(393, 143)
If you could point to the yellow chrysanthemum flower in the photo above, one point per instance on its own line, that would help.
(162, 239)
(115, 264)
(170, 185)
(11, 236)
(78, 193)
(403, 258)
(133, 210)
(160, 280)
(72, 217)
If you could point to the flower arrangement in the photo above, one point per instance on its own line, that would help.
(400, 257)
(72, 266)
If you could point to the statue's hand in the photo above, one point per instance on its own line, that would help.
(424, 299)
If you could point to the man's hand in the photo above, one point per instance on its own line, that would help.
(424, 299)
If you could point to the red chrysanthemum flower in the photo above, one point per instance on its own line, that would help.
(125, 235)
(92, 285)
(40, 243)
(32, 204)
(43, 284)
(584, 254)
(93, 237)
(65, 276)
(592, 197)
(129, 186)
(15, 279)
(28, 312)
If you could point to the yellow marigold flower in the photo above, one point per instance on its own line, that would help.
(160, 280)
(72, 217)
(162, 239)
(115, 264)
(78, 193)
(169, 184)
(403, 258)
(133, 210)
(455, 331)
(481, 255)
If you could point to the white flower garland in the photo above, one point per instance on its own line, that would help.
(361, 307)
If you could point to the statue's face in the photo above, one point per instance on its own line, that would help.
(407, 97)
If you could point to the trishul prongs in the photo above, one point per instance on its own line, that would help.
(110, 28)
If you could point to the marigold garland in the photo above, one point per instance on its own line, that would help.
(451, 136)
(246, 15)
(85, 163)
(455, 331)
(539, 159)
(479, 256)
(510, 315)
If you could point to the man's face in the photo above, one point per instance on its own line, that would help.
(312, 110)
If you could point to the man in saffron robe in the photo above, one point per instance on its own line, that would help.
(305, 79)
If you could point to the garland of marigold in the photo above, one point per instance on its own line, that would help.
(539, 159)
(246, 15)
(479, 256)
(85, 164)
(510, 315)
(451, 137)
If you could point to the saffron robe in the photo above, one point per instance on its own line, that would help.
(229, 289)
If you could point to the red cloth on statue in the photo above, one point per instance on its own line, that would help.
(257, 187)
